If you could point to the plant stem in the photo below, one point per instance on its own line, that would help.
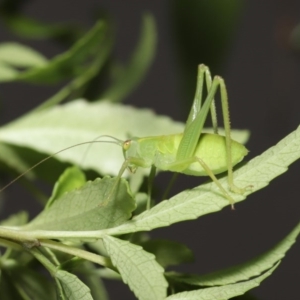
(20, 235)
(98, 259)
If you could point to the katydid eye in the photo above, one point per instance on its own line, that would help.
(126, 145)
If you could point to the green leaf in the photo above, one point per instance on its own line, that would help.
(33, 284)
(67, 64)
(141, 202)
(70, 180)
(86, 208)
(140, 62)
(168, 253)
(80, 82)
(94, 282)
(12, 17)
(54, 129)
(7, 289)
(17, 219)
(109, 274)
(71, 287)
(10, 157)
(24, 283)
(33, 29)
(21, 159)
(7, 72)
(223, 292)
(244, 271)
(137, 268)
(17, 55)
(207, 198)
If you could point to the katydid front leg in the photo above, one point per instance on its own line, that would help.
(132, 163)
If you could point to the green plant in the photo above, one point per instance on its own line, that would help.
(74, 233)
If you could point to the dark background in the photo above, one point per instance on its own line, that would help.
(262, 74)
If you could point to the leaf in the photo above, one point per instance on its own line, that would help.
(70, 180)
(137, 268)
(33, 29)
(72, 287)
(17, 219)
(10, 157)
(94, 282)
(223, 292)
(206, 198)
(54, 129)
(86, 208)
(80, 82)
(24, 283)
(253, 267)
(109, 274)
(168, 253)
(21, 159)
(7, 289)
(7, 72)
(141, 59)
(18, 55)
(32, 284)
(141, 202)
(12, 17)
(67, 64)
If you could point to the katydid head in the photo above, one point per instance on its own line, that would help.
(130, 149)
(89, 143)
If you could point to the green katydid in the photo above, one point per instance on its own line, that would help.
(191, 152)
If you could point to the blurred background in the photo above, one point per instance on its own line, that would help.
(255, 46)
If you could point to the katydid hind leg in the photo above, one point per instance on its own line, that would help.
(226, 121)
(213, 112)
(193, 131)
(197, 102)
(188, 161)
(195, 126)
(203, 76)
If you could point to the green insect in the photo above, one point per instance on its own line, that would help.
(191, 152)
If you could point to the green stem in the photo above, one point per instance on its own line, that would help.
(31, 239)
(33, 236)
(9, 244)
(98, 259)
(52, 257)
(17, 235)
(43, 260)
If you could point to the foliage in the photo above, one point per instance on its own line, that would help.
(80, 237)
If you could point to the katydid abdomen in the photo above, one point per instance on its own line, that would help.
(161, 152)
